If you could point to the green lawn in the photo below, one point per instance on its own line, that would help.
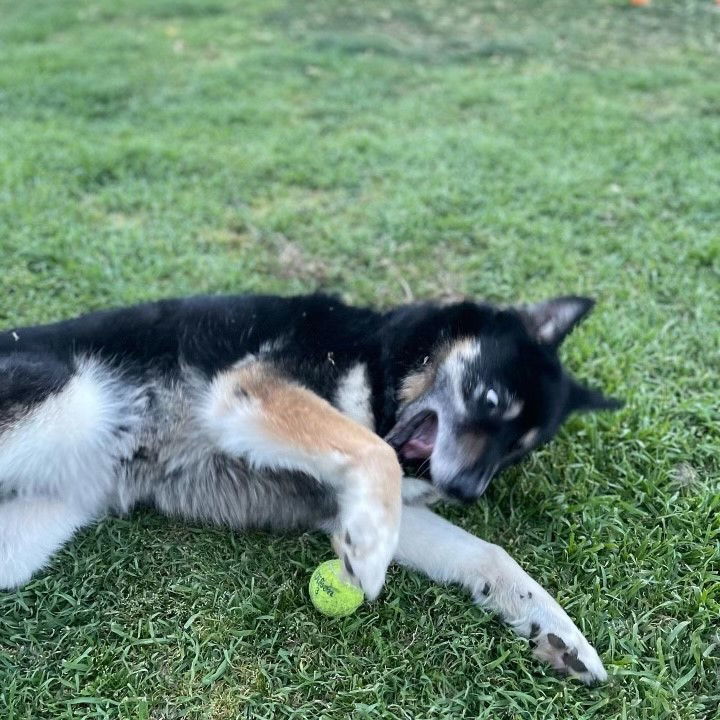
(506, 149)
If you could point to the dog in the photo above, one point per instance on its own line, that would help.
(259, 411)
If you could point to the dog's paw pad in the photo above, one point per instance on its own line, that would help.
(569, 652)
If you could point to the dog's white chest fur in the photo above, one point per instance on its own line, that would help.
(353, 395)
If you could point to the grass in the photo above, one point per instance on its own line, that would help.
(508, 150)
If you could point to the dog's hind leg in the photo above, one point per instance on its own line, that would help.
(253, 412)
(64, 426)
(446, 553)
(31, 531)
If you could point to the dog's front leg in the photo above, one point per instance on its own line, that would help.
(253, 412)
(446, 553)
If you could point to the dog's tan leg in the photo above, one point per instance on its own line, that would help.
(253, 412)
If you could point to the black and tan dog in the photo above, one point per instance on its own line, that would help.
(261, 411)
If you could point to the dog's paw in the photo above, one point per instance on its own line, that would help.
(557, 641)
(366, 543)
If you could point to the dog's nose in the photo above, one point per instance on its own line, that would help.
(461, 492)
(463, 487)
(469, 485)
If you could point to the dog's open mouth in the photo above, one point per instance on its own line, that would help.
(416, 439)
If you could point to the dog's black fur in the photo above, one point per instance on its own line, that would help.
(200, 407)
(315, 340)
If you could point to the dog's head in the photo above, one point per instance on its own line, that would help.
(488, 391)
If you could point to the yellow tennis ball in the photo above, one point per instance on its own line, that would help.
(330, 594)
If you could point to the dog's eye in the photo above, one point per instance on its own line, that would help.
(491, 399)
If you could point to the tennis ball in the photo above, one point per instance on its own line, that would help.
(330, 594)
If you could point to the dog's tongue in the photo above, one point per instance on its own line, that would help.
(421, 443)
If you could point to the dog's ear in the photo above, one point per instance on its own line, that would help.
(584, 399)
(551, 321)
